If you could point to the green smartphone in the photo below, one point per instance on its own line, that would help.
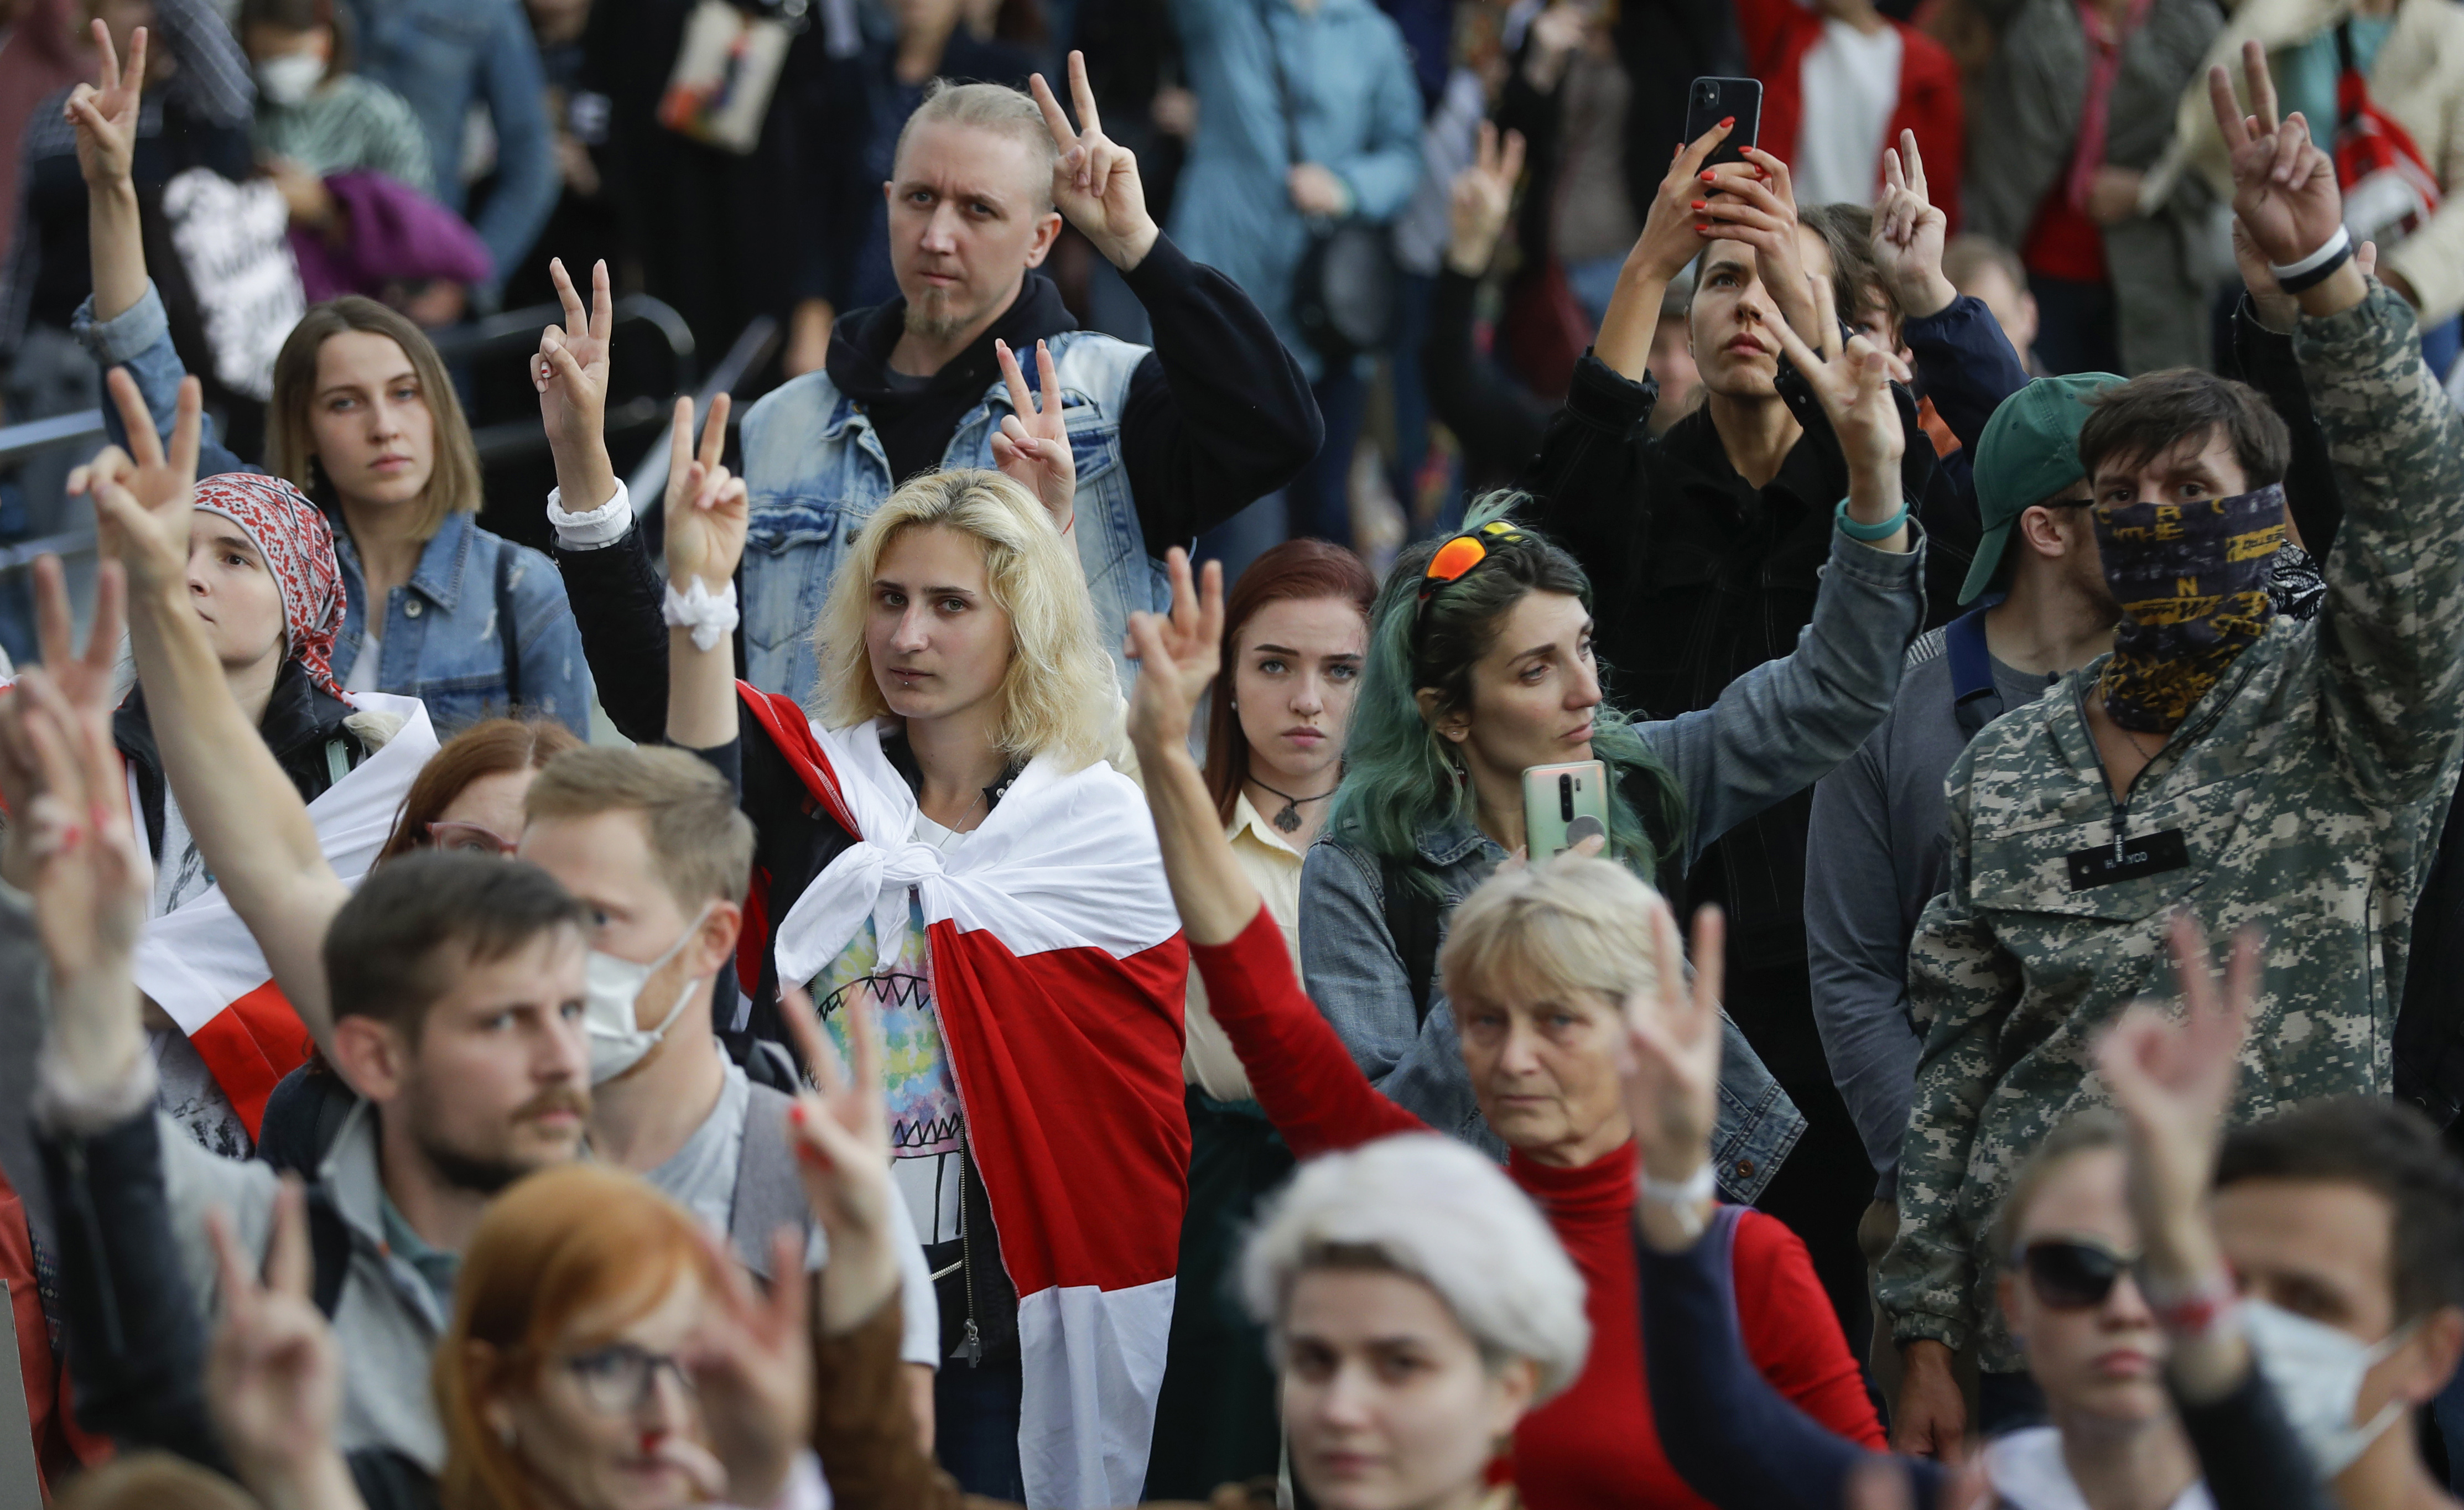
(1562, 806)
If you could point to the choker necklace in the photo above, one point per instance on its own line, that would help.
(1290, 818)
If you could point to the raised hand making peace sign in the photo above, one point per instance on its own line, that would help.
(105, 112)
(1095, 183)
(1032, 445)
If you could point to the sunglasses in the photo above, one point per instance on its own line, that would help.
(2069, 1274)
(469, 838)
(1465, 552)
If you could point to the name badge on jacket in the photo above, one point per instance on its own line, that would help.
(2128, 859)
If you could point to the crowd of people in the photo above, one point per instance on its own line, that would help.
(1011, 939)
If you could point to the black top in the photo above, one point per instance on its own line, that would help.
(1219, 414)
(1497, 420)
(301, 720)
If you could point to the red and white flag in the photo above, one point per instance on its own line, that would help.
(1058, 973)
(202, 966)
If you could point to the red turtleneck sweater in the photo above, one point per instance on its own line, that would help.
(1594, 1444)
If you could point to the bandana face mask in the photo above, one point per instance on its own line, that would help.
(2192, 581)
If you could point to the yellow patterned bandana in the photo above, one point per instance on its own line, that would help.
(2192, 579)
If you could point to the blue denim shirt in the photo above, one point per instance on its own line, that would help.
(446, 636)
(445, 56)
(816, 472)
(1775, 731)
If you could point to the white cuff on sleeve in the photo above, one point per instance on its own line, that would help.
(63, 1103)
(602, 526)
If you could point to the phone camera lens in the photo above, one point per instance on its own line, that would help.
(1566, 798)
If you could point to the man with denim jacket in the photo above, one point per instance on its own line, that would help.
(2284, 774)
(1167, 441)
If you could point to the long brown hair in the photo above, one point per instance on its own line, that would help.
(1296, 570)
(491, 746)
(573, 1240)
(454, 486)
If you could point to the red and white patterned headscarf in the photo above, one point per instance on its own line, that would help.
(293, 537)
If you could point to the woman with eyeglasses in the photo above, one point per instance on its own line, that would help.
(469, 794)
(2127, 1431)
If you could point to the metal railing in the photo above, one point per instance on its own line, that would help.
(495, 335)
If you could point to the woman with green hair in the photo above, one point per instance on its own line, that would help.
(1481, 666)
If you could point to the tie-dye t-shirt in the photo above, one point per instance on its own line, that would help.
(927, 1125)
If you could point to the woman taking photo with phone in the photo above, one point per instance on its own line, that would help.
(364, 421)
(1481, 667)
(1295, 631)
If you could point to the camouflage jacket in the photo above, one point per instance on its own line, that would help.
(2303, 788)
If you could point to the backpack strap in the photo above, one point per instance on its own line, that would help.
(769, 1192)
(1974, 700)
(1412, 923)
(329, 1250)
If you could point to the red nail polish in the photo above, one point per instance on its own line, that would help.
(1726, 121)
(795, 1113)
(1709, 176)
(1698, 205)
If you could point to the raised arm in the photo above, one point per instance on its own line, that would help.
(1785, 724)
(123, 323)
(275, 1373)
(249, 823)
(1967, 362)
(2172, 1079)
(1302, 1074)
(1220, 413)
(1498, 421)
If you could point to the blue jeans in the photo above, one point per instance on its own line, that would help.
(975, 1432)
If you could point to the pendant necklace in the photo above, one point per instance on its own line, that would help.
(1290, 818)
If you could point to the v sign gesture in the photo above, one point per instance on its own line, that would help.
(1672, 1069)
(1095, 184)
(1032, 445)
(571, 375)
(275, 1373)
(1908, 234)
(1854, 388)
(105, 112)
(2284, 187)
(143, 502)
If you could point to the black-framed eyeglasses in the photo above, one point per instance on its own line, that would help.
(2070, 1274)
(618, 1379)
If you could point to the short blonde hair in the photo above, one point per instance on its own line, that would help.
(997, 108)
(1058, 694)
(1574, 924)
(1433, 1210)
(700, 840)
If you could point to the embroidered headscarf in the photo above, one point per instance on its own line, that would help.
(296, 542)
(2192, 581)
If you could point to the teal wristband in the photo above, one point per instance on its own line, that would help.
(1868, 534)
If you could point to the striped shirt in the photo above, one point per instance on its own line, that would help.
(349, 125)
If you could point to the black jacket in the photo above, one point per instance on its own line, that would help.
(302, 726)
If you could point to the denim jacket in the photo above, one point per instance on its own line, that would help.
(1774, 731)
(817, 471)
(446, 56)
(445, 639)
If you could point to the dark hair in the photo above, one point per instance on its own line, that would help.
(304, 15)
(1293, 571)
(1399, 777)
(2147, 417)
(489, 748)
(2383, 1147)
(1847, 231)
(396, 946)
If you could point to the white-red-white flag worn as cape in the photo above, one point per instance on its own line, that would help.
(200, 963)
(1057, 974)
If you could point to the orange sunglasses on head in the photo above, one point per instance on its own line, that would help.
(1462, 553)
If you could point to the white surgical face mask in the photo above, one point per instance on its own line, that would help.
(287, 78)
(2317, 1374)
(617, 1039)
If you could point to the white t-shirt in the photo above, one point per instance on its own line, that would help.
(189, 1092)
(363, 669)
(1850, 84)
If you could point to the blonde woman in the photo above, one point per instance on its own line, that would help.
(940, 825)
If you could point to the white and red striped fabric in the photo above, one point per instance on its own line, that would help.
(1058, 972)
(200, 963)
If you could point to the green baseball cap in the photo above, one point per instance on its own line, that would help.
(2029, 452)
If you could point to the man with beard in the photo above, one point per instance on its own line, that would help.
(2285, 774)
(1166, 442)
